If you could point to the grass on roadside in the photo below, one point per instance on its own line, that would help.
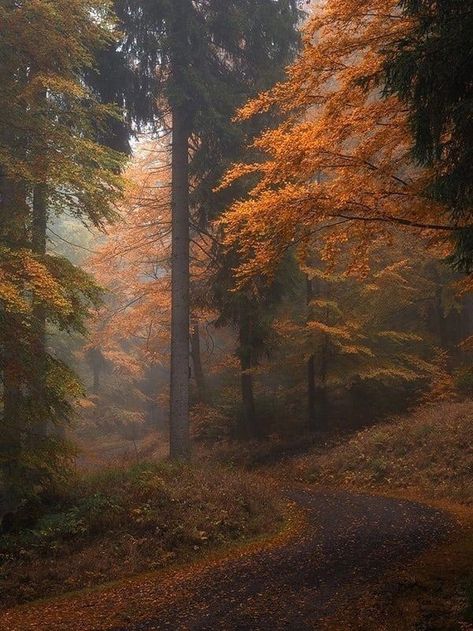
(121, 521)
(429, 452)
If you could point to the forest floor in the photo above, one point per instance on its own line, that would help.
(378, 537)
(117, 522)
(297, 582)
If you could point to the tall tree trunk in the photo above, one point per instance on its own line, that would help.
(13, 417)
(152, 392)
(96, 378)
(249, 426)
(13, 219)
(179, 421)
(96, 362)
(179, 44)
(13, 214)
(311, 386)
(39, 376)
(199, 376)
(321, 392)
(12, 423)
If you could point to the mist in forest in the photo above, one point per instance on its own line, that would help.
(236, 315)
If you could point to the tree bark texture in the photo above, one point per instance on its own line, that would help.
(249, 426)
(201, 383)
(179, 418)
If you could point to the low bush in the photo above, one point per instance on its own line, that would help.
(121, 521)
(464, 381)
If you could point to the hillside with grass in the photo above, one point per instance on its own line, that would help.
(428, 453)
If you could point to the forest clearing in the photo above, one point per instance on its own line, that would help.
(236, 315)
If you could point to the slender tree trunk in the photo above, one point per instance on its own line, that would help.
(13, 213)
(179, 421)
(249, 426)
(11, 427)
(96, 361)
(152, 390)
(13, 219)
(311, 387)
(247, 429)
(40, 219)
(12, 394)
(96, 371)
(321, 392)
(96, 379)
(197, 364)
(39, 375)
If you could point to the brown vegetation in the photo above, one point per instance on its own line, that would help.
(427, 453)
(123, 521)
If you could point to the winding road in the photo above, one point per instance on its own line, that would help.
(349, 540)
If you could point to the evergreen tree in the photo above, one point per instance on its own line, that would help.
(429, 68)
(199, 60)
(50, 163)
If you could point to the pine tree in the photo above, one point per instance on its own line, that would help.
(195, 58)
(429, 68)
(50, 163)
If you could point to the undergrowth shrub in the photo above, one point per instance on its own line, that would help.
(464, 381)
(120, 521)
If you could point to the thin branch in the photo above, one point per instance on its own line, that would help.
(403, 222)
(74, 245)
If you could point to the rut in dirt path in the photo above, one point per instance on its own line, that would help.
(352, 539)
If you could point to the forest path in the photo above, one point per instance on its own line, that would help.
(350, 539)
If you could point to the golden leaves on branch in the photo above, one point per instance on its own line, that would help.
(337, 171)
(21, 275)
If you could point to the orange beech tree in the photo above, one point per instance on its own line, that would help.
(365, 344)
(133, 263)
(339, 169)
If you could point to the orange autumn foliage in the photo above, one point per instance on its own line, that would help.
(338, 170)
(133, 264)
